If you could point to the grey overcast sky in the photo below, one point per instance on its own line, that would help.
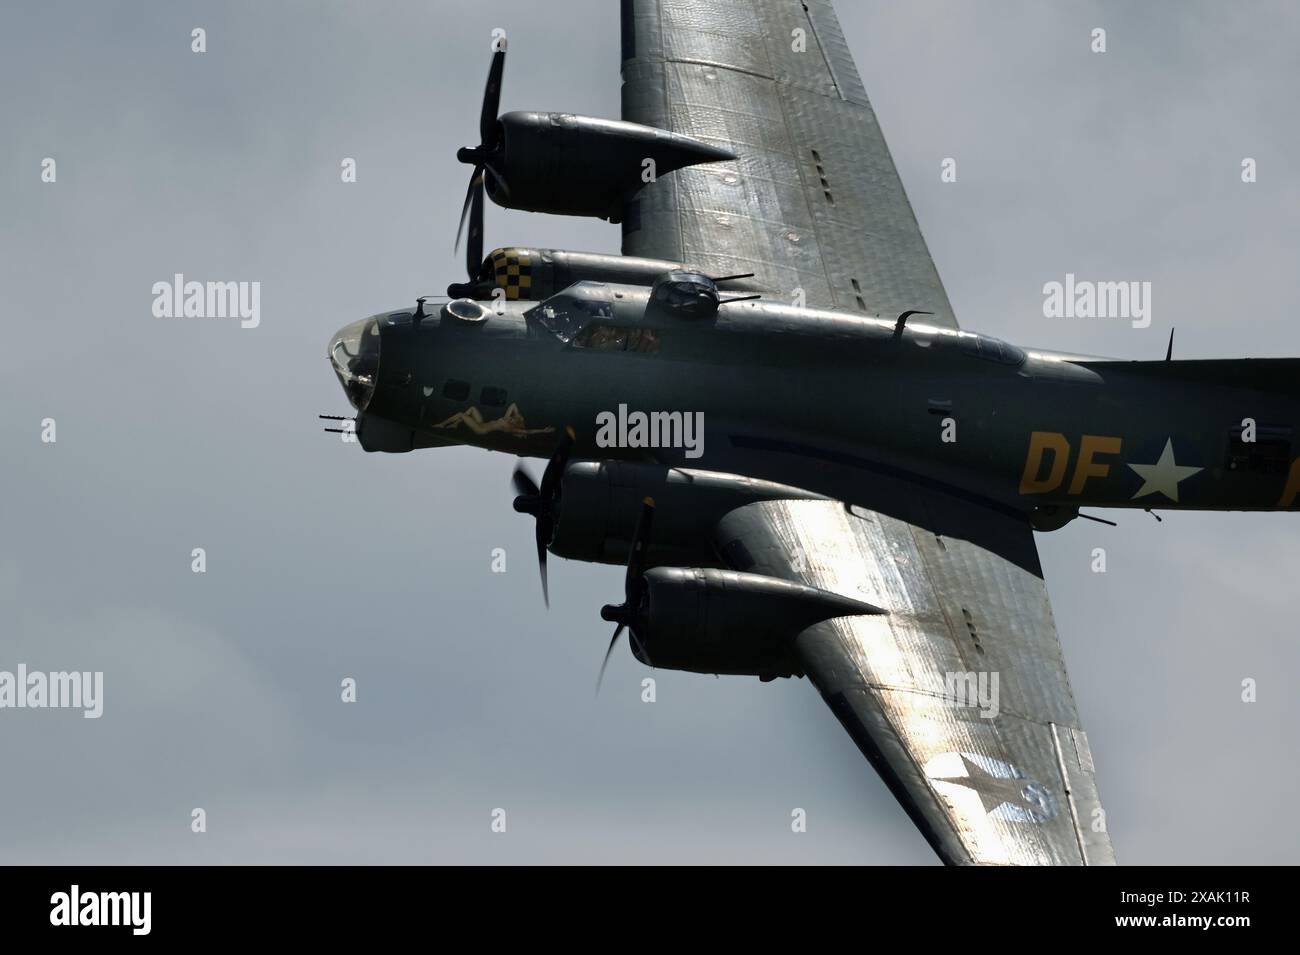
(222, 689)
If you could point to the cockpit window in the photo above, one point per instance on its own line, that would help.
(600, 337)
(566, 314)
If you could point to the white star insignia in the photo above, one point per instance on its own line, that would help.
(1164, 475)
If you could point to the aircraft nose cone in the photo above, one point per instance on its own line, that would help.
(354, 353)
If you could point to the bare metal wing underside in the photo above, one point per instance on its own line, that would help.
(958, 695)
(813, 201)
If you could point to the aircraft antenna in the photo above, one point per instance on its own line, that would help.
(902, 320)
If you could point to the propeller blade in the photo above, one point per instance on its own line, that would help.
(627, 613)
(474, 182)
(640, 647)
(487, 124)
(636, 557)
(474, 247)
(543, 538)
(608, 653)
(539, 502)
(559, 461)
(489, 173)
(525, 486)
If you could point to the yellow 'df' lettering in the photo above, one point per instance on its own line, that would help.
(1041, 442)
(1292, 486)
(1085, 467)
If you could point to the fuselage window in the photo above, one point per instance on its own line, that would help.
(456, 390)
(494, 397)
(599, 337)
(1269, 453)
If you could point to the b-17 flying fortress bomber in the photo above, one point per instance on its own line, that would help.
(766, 409)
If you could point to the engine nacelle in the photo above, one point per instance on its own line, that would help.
(724, 621)
(600, 502)
(581, 166)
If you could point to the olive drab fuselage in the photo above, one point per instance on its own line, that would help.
(1035, 431)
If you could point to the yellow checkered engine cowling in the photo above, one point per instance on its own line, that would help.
(513, 271)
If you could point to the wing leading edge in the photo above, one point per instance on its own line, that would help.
(958, 696)
(814, 201)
